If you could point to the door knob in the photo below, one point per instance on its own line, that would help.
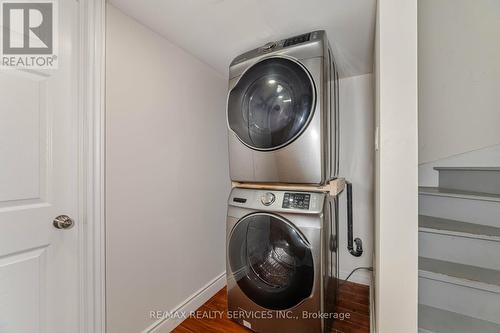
(63, 222)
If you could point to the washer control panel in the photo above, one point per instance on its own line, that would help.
(277, 201)
(296, 200)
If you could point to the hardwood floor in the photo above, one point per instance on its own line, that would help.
(353, 299)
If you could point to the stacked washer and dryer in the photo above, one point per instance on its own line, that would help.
(283, 121)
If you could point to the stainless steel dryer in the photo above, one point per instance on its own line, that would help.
(282, 260)
(282, 112)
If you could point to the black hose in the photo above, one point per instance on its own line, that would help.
(359, 243)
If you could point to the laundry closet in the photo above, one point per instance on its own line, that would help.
(199, 176)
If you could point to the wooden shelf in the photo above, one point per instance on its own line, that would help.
(334, 187)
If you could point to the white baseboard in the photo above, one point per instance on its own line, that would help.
(191, 304)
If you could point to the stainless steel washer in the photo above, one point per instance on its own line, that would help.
(282, 112)
(282, 260)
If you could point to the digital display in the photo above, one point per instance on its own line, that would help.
(296, 200)
(297, 40)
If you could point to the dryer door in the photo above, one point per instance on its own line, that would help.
(271, 261)
(271, 104)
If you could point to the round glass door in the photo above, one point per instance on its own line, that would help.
(271, 104)
(271, 261)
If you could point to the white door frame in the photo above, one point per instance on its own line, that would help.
(91, 126)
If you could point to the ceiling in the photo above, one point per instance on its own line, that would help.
(216, 31)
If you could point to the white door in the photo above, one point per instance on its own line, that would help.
(39, 264)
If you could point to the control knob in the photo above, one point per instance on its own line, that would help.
(269, 46)
(267, 198)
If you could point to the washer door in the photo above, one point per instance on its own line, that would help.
(271, 261)
(271, 104)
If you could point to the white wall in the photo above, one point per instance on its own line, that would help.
(459, 76)
(396, 227)
(357, 156)
(486, 157)
(167, 174)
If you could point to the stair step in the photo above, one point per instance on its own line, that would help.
(477, 179)
(434, 320)
(459, 274)
(465, 250)
(467, 168)
(467, 301)
(461, 194)
(457, 228)
(459, 208)
(467, 290)
(459, 231)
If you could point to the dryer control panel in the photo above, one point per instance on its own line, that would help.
(297, 40)
(281, 45)
(296, 200)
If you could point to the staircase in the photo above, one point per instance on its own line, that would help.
(459, 244)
